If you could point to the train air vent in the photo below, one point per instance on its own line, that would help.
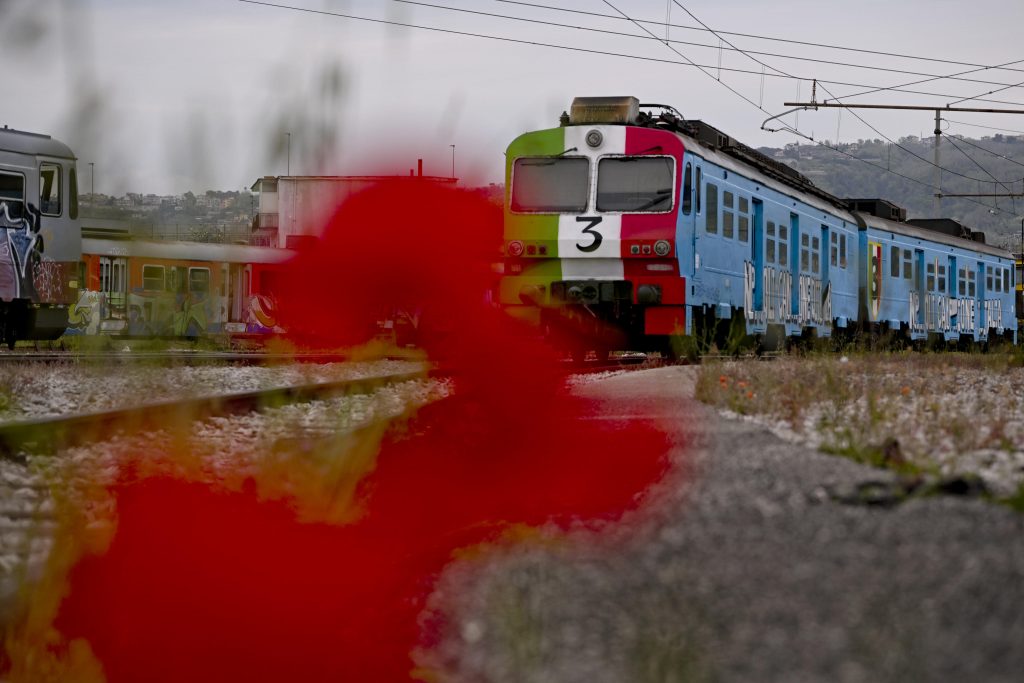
(880, 208)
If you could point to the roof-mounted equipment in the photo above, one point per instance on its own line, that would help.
(613, 110)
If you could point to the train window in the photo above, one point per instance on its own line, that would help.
(908, 265)
(153, 278)
(727, 221)
(805, 254)
(942, 279)
(842, 251)
(816, 255)
(12, 193)
(769, 243)
(744, 228)
(1006, 279)
(712, 220)
(635, 184)
(73, 195)
(687, 189)
(550, 184)
(727, 199)
(894, 261)
(49, 189)
(783, 245)
(834, 249)
(988, 279)
(931, 277)
(971, 291)
(199, 280)
(744, 205)
(962, 282)
(698, 186)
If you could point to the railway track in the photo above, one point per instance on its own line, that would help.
(182, 357)
(49, 434)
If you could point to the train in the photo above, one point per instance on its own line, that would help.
(169, 289)
(632, 228)
(40, 236)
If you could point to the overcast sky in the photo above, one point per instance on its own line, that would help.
(168, 96)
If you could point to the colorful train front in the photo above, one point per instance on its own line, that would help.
(591, 213)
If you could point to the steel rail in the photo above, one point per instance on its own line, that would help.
(66, 431)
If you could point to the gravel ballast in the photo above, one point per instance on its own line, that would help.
(747, 572)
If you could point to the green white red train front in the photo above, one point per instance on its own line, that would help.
(591, 225)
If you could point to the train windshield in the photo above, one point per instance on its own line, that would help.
(550, 184)
(631, 184)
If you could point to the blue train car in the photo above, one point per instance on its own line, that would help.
(657, 228)
(780, 257)
(927, 284)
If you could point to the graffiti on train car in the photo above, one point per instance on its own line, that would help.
(20, 251)
(814, 301)
(945, 314)
(170, 314)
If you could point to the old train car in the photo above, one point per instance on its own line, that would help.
(146, 288)
(40, 235)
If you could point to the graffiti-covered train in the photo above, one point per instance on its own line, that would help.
(634, 228)
(153, 288)
(40, 236)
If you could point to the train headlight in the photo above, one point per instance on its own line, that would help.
(595, 138)
(662, 247)
(515, 248)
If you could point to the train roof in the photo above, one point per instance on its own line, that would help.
(185, 251)
(36, 144)
(928, 235)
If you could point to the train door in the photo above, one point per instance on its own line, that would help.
(794, 264)
(113, 285)
(687, 238)
(920, 292)
(757, 255)
(236, 292)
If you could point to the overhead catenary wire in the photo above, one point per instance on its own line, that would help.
(855, 114)
(687, 62)
(583, 50)
(756, 36)
(731, 48)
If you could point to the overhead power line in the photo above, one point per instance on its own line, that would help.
(584, 50)
(756, 36)
(731, 48)
(687, 62)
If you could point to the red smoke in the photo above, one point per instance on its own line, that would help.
(201, 584)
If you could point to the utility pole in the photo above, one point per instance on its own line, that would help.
(453, 161)
(92, 181)
(289, 153)
(939, 194)
(938, 169)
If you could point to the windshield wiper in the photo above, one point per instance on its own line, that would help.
(659, 197)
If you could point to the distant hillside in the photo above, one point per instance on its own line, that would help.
(846, 177)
